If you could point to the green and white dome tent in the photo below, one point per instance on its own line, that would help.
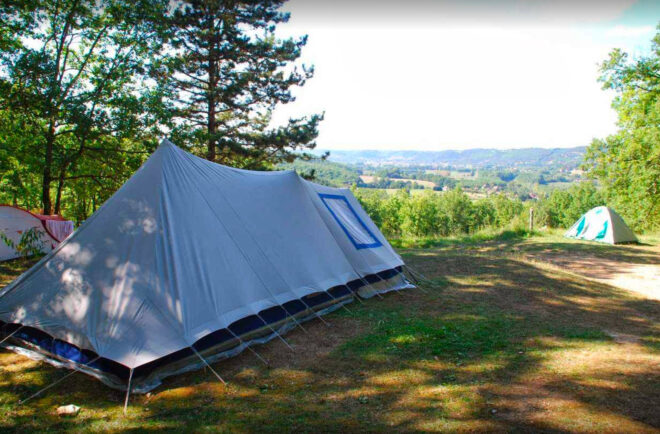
(601, 224)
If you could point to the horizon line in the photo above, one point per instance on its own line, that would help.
(446, 150)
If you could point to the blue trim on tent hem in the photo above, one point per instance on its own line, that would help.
(73, 353)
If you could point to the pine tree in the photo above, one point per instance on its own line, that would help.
(223, 72)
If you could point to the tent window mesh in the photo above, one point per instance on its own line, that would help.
(356, 230)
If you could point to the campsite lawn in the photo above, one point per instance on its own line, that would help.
(501, 338)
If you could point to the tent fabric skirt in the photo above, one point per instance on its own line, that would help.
(218, 345)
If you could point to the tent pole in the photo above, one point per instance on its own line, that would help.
(23, 401)
(207, 364)
(288, 313)
(128, 390)
(347, 309)
(383, 280)
(295, 320)
(412, 275)
(342, 305)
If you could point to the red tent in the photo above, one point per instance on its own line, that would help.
(16, 221)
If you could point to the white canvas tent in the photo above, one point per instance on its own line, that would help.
(16, 222)
(190, 257)
(601, 224)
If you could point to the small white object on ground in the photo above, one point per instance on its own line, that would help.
(68, 410)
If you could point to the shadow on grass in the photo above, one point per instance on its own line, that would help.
(10, 270)
(622, 253)
(493, 344)
(638, 267)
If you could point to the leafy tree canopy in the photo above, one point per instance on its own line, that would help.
(87, 87)
(627, 163)
(71, 90)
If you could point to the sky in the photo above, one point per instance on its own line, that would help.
(460, 74)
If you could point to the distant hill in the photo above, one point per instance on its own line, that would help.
(525, 157)
(325, 172)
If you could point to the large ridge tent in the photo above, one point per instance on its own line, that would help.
(601, 224)
(16, 222)
(189, 262)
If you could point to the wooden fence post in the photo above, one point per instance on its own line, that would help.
(531, 220)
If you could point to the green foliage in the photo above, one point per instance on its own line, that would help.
(87, 88)
(421, 216)
(371, 201)
(435, 214)
(72, 95)
(452, 213)
(459, 212)
(222, 73)
(391, 183)
(30, 244)
(324, 172)
(505, 209)
(627, 163)
(563, 207)
(391, 215)
(485, 212)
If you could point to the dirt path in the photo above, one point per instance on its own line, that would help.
(635, 268)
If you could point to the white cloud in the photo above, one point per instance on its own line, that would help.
(419, 85)
(457, 12)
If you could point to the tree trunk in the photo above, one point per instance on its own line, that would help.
(210, 152)
(211, 98)
(47, 174)
(60, 187)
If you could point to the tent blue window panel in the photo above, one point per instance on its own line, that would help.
(352, 225)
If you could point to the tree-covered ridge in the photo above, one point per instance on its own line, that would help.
(522, 182)
(527, 157)
(324, 172)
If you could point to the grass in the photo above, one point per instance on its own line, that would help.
(10, 270)
(486, 235)
(491, 342)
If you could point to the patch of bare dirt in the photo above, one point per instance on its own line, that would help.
(625, 272)
(622, 338)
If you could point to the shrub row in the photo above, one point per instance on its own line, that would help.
(454, 212)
